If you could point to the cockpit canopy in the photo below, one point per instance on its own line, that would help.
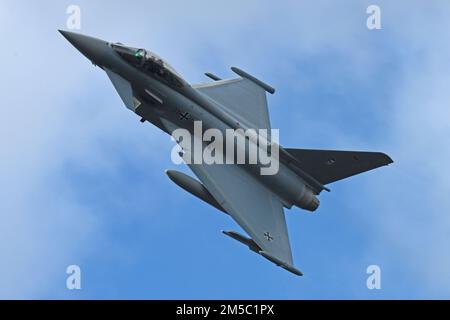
(149, 63)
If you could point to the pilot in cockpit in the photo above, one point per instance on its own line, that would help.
(149, 62)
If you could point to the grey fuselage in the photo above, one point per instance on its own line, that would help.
(161, 99)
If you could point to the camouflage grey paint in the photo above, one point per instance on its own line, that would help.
(254, 201)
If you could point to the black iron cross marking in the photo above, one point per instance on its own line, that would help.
(268, 236)
(184, 116)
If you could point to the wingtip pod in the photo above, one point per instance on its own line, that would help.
(280, 263)
(255, 248)
(258, 82)
(212, 76)
(244, 240)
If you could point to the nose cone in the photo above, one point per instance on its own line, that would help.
(93, 48)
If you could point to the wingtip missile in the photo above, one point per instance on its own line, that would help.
(255, 248)
(244, 240)
(280, 263)
(256, 81)
(212, 76)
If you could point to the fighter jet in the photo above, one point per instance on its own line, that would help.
(152, 89)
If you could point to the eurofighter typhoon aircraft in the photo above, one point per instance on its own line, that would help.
(153, 90)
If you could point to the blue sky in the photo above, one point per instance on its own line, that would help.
(82, 180)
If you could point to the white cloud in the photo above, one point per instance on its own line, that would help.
(415, 204)
(40, 90)
(45, 123)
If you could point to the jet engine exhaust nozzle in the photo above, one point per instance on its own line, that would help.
(308, 200)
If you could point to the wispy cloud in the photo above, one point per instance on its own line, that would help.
(393, 80)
